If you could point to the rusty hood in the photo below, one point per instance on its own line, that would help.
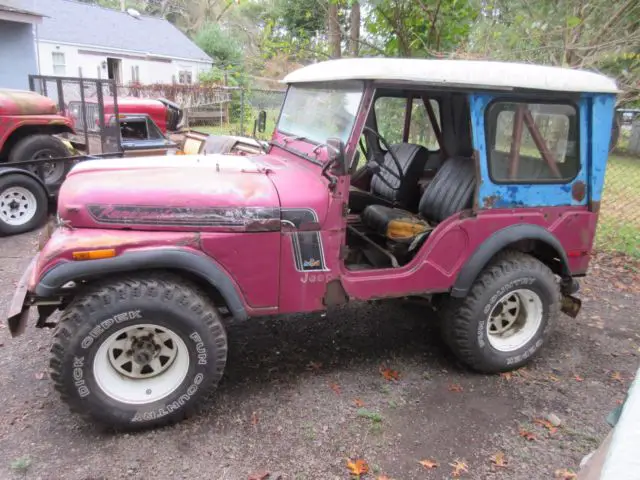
(204, 193)
(24, 102)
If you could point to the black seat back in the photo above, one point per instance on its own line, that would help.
(412, 159)
(450, 191)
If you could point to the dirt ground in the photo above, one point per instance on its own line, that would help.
(287, 403)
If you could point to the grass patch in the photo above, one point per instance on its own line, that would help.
(21, 464)
(375, 417)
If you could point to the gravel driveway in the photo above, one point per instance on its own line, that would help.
(304, 393)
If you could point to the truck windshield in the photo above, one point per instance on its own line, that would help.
(318, 112)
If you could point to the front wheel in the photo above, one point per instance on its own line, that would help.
(504, 320)
(138, 353)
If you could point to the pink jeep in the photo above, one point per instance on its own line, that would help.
(473, 184)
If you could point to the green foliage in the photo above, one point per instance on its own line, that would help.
(419, 28)
(219, 45)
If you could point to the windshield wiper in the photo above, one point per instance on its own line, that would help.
(293, 139)
(298, 153)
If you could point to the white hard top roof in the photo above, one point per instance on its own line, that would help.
(456, 73)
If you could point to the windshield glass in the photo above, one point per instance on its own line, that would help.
(319, 112)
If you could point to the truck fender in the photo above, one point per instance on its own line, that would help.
(179, 260)
(499, 241)
(12, 170)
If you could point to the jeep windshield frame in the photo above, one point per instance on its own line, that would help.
(315, 112)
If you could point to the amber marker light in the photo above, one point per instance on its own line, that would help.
(94, 254)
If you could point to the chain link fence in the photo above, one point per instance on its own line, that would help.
(619, 223)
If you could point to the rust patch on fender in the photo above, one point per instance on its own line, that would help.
(272, 225)
(595, 206)
(578, 191)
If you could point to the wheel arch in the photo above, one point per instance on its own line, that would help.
(4, 171)
(526, 238)
(200, 270)
(26, 130)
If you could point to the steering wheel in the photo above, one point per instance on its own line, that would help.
(380, 162)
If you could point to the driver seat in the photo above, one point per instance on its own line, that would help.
(387, 190)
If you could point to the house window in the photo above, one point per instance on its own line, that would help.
(532, 142)
(184, 76)
(59, 65)
(135, 74)
(390, 117)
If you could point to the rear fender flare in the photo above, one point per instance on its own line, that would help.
(499, 241)
(175, 259)
(4, 171)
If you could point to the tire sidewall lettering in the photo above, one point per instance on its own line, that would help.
(86, 386)
(518, 356)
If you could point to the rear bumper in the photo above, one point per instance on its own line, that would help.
(20, 305)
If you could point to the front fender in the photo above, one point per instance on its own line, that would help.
(176, 259)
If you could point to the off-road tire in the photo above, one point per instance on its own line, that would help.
(15, 182)
(29, 147)
(464, 320)
(160, 299)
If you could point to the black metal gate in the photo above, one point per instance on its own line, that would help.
(92, 106)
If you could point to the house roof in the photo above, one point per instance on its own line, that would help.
(456, 73)
(91, 25)
(9, 11)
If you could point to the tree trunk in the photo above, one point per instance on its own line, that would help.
(354, 29)
(334, 30)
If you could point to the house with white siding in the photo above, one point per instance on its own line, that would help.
(80, 39)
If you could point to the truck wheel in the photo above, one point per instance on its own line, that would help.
(503, 321)
(139, 352)
(23, 204)
(41, 147)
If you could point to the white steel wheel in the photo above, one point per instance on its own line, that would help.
(18, 205)
(141, 364)
(514, 320)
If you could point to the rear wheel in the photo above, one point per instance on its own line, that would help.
(42, 147)
(139, 352)
(503, 321)
(23, 204)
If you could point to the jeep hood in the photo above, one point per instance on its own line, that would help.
(203, 193)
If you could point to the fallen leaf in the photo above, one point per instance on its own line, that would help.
(617, 376)
(315, 366)
(454, 387)
(527, 435)
(458, 468)
(498, 460)
(358, 403)
(506, 375)
(389, 375)
(254, 418)
(259, 476)
(546, 424)
(578, 378)
(358, 467)
(428, 463)
(335, 387)
(565, 474)
(553, 378)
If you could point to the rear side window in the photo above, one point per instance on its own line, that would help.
(532, 142)
(390, 117)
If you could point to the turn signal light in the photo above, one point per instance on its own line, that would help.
(94, 254)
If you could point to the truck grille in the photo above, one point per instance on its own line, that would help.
(92, 115)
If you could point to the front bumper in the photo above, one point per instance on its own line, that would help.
(20, 306)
